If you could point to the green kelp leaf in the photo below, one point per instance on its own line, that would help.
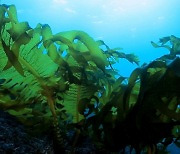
(2, 15)
(158, 46)
(175, 44)
(101, 43)
(12, 59)
(80, 59)
(174, 39)
(87, 103)
(49, 44)
(25, 53)
(134, 95)
(116, 100)
(76, 94)
(75, 70)
(171, 104)
(12, 13)
(97, 56)
(112, 74)
(151, 74)
(18, 29)
(132, 58)
(63, 48)
(170, 113)
(79, 46)
(15, 83)
(36, 62)
(112, 59)
(131, 83)
(71, 52)
(20, 112)
(111, 116)
(162, 82)
(32, 56)
(155, 74)
(53, 54)
(107, 90)
(37, 30)
(164, 40)
(46, 33)
(3, 57)
(30, 87)
(11, 47)
(176, 131)
(22, 40)
(118, 83)
(154, 44)
(8, 100)
(156, 64)
(83, 104)
(44, 77)
(117, 54)
(175, 66)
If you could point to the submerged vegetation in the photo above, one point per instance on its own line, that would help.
(67, 82)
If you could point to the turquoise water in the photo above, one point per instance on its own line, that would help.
(129, 24)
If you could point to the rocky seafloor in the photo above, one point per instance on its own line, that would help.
(15, 140)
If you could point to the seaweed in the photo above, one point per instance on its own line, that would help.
(66, 81)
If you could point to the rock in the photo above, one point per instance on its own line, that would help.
(14, 138)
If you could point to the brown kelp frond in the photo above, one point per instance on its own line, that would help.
(38, 70)
(172, 43)
(115, 54)
(23, 70)
(139, 109)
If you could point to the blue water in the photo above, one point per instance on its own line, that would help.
(129, 24)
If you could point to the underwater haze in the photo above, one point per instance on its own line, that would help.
(128, 24)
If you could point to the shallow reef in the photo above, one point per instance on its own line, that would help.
(14, 138)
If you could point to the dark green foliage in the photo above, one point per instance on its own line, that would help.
(152, 116)
(67, 80)
(171, 43)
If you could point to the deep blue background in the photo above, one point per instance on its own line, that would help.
(129, 24)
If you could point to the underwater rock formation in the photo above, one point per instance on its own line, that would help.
(14, 138)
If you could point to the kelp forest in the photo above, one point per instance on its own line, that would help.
(65, 83)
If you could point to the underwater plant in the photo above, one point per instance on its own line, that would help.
(144, 111)
(68, 80)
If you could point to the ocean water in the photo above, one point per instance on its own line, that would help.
(129, 24)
